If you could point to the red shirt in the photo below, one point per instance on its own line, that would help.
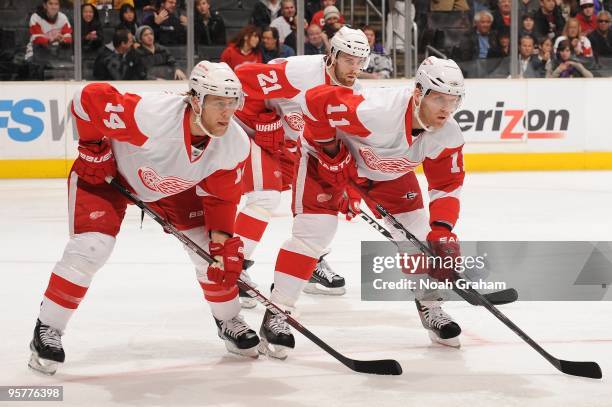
(234, 57)
(586, 26)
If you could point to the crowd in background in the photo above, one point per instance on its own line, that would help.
(557, 38)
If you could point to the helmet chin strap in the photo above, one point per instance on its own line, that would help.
(417, 111)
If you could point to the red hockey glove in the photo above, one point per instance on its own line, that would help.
(229, 257)
(444, 244)
(338, 170)
(269, 133)
(95, 162)
(349, 203)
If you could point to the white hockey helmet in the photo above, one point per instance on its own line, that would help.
(352, 42)
(215, 78)
(440, 75)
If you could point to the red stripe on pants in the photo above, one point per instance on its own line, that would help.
(64, 293)
(295, 264)
(250, 227)
(216, 293)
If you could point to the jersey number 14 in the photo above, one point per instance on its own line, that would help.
(114, 121)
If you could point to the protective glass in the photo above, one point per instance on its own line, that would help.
(352, 62)
(222, 105)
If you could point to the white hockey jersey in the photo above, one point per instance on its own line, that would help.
(151, 142)
(376, 126)
(281, 86)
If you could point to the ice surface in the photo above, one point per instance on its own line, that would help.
(144, 336)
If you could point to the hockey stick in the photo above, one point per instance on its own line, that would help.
(382, 367)
(502, 297)
(582, 369)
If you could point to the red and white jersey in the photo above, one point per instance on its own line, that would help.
(281, 86)
(43, 31)
(151, 142)
(376, 126)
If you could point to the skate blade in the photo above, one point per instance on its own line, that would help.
(248, 303)
(319, 289)
(250, 352)
(274, 351)
(44, 366)
(450, 342)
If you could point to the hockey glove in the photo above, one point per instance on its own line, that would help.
(95, 162)
(269, 133)
(444, 244)
(349, 203)
(229, 257)
(337, 170)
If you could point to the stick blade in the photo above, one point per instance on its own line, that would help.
(381, 367)
(582, 369)
(502, 297)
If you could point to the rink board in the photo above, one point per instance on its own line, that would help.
(509, 125)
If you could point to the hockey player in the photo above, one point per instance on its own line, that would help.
(272, 117)
(375, 138)
(184, 154)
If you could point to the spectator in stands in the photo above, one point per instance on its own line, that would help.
(284, 21)
(542, 60)
(168, 24)
(502, 48)
(375, 47)
(209, 25)
(548, 19)
(127, 18)
(317, 42)
(118, 60)
(527, 26)
(146, 7)
(319, 19)
(291, 39)
(243, 48)
(156, 59)
(564, 67)
(569, 8)
(332, 21)
(116, 3)
(92, 35)
(311, 7)
(380, 65)
(579, 44)
(526, 57)
(483, 37)
(586, 16)
(264, 12)
(541, 63)
(501, 17)
(49, 29)
(271, 47)
(528, 6)
(601, 38)
(449, 5)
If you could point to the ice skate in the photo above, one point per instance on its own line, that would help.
(276, 337)
(440, 326)
(239, 338)
(47, 350)
(324, 281)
